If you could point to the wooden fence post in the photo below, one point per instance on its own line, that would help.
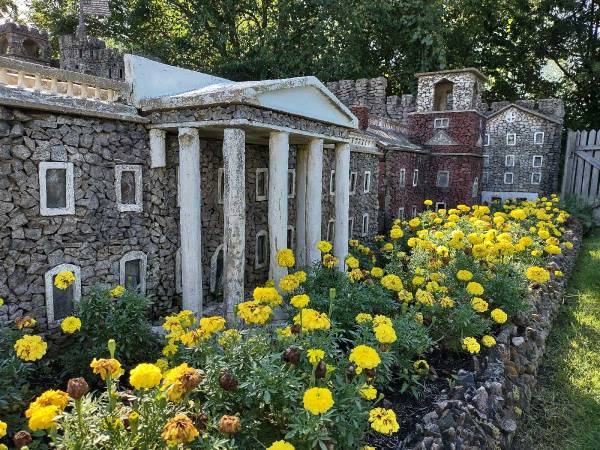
(568, 165)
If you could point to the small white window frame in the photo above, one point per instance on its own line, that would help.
(440, 205)
(537, 175)
(261, 264)
(367, 182)
(414, 211)
(220, 186)
(132, 256)
(541, 161)
(330, 232)
(265, 171)
(400, 213)
(512, 177)
(437, 181)
(332, 182)
(509, 161)
(441, 122)
(415, 178)
(538, 138)
(49, 287)
(292, 177)
(69, 185)
(486, 140)
(511, 139)
(402, 177)
(350, 227)
(139, 188)
(364, 230)
(353, 182)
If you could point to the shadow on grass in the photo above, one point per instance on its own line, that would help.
(565, 409)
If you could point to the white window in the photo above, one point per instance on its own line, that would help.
(353, 177)
(443, 178)
(475, 187)
(261, 254)
(538, 137)
(132, 271)
(290, 237)
(60, 303)
(536, 177)
(415, 180)
(332, 183)
(509, 160)
(291, 184)
(367, 182)
(486, 160)
(485, 178)
(216, 270)
(414, 211)
(511, 139)
(486, 139)
(330, 229)
(350, 227)
(537, 161)
(510, 116)
(401, 213)
(508, 178)
(440, 205)
(178, 285)
(128, 187)
(442, 122)
(262, 184)
(57, 192)
(365, 225)
(402, 177)
(220, 186)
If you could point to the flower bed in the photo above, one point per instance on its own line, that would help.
(443, 291)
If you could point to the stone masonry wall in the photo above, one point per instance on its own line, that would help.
(466, 90)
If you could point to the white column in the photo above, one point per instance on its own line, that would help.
(234, 218)
(190, 223)
(278, 200)
(157, 148)
(314, 193)
(301, 173)
(342, 202)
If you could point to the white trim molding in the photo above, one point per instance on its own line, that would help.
(364, 229)
(509, 175)
(353, 181)
(539, 158)
(137, 173)
(538, 138)
(367, 182)
(49, 287)
(133, 256)
(536, 177)
(69, 207)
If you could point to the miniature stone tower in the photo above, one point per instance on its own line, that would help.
(448, 123)
(26, 43)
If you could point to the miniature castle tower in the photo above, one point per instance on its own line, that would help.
(26, 43)
(448, 122)
(85, 54)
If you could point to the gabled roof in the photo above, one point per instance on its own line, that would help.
(525, 110)
(391, 139)
(157, 86)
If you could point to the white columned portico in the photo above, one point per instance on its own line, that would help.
(314, 192)
(342, 202)
(278, 200)
(301, 174)
(234, 218)
(190, 223)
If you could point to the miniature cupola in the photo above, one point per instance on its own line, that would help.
(449, 90)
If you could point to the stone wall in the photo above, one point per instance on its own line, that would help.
(25, 42)
(467, 88)
(481, 411)
(89, 55)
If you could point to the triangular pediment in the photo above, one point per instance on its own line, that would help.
(441, 138)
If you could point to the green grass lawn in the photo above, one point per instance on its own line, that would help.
(565, 411)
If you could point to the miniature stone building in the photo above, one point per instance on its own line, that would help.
(25, 43)
(86, 54)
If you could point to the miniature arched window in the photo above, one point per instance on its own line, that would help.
(261, 255)
(442, 95)
(60, 303)
(475, 187)
(31, 49)
(132, 271)
(216, 270)
(3, 46)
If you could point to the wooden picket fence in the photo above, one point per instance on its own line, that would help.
(581, 174)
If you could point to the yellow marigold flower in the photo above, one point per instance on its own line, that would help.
(518, 214)
(329, 261)
(212, 324)
(428, 202)
(392, 282)
(383, 421)
(105, 367)
(368, 392)
(553, 249)
(3, 428)
(324, 246)
(230, 337)
(414, 222)
(42, 418)
(179, 430)
(405, 296)
(568, 245)
(380, 319)
(284, 331)
(364, 357)
(30, 347)
(318, 400)
(117, 291)
(300, 276)
(537, 274)
(421, 366)
(471, 345)
(464, 275)
(70, 325)
(396, 233)
(25, 322)
(64, 279)
(145, 376)
(300, 301)
(268, 295)
(488, 341)
(285, 258)
(419, 317)
(499, 316)
(446, 302)
(558, 273)
(363, 317)
(162, 364)
(353, 243)
(418, 280)
(352, 262)
(385, 334)
(311, 320)
(479, 304)
(51, 397)
(281, 445)
(475, 288)
(253, 312)
(424, 297)
(355, 275)
(377, 272)
(289, 283)
(178, 381)
(315, 355)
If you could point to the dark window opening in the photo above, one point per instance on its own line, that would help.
(128, 188)
(442, 96)
(56, 188)
(133, 274)
(63, 301)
